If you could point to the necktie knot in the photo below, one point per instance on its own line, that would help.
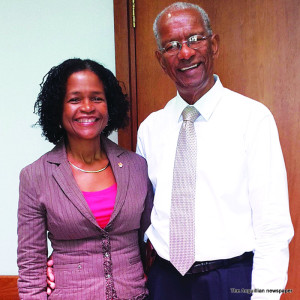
(190, 113)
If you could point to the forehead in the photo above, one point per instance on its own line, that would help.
(180, 24)
(83, 80)
(83, 77)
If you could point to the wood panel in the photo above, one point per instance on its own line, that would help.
(8, 288)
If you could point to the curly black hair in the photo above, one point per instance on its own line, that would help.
(49, 104)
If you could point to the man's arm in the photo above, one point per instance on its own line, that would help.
(270, 209)
(140, 146)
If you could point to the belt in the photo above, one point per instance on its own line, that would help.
(206, 266)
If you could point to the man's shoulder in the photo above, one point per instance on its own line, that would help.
(153, 117)
(244, 103)
(160, 116)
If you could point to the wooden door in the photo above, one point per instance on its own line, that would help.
(259, 57)
(136, 64)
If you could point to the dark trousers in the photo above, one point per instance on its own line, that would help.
(230, 283)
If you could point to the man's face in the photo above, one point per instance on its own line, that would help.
(190, 69)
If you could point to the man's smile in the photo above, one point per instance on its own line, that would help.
(189, 67)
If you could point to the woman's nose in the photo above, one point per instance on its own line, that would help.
(87, 105)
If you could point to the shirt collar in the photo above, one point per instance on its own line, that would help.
(205, 105)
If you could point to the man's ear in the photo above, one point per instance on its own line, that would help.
(215, 43)
(160, 59)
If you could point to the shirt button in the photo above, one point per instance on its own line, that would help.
(108, 276)
(79, 267)
(106, 254)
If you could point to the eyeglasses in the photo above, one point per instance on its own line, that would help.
(193, 42)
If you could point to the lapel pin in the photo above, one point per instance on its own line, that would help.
(120, 164)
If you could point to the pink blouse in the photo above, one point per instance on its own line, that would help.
(102, 203)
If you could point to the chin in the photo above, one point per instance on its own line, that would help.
(190, 84)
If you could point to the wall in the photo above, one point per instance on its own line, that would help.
(36, 35)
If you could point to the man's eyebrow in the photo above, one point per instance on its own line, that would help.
(186, 37)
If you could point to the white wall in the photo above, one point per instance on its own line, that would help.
(34, 36)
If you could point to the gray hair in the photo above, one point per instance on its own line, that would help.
(180, 6)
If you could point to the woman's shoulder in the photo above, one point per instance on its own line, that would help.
(39, 164)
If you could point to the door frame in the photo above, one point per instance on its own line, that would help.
(126, 67)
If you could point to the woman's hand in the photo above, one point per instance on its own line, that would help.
(50, 276)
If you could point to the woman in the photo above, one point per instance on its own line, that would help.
(92, 197)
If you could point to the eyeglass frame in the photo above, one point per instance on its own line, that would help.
(187, 42)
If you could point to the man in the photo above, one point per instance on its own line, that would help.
(236, 196)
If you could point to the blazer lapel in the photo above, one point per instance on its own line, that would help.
(120, 166)
(65, 179)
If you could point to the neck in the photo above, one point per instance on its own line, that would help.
(192, 95)
(87, 151)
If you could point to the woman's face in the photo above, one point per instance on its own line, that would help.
(85, 113)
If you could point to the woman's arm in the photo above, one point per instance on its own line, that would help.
(32, 240)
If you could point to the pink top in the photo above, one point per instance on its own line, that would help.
(102, 203)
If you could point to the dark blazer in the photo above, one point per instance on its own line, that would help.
(89, 262)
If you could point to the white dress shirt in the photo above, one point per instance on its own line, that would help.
(241, 193)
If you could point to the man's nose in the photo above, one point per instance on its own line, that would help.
(186, 52)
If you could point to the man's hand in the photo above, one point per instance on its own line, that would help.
(50, 276)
